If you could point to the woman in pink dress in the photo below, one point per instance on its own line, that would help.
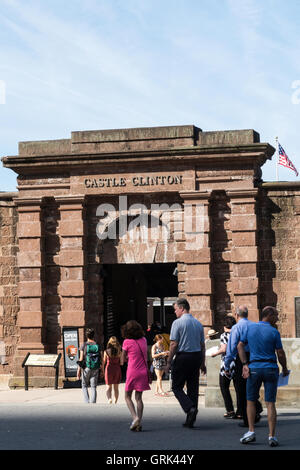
(134, 349)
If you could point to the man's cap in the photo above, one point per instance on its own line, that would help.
(211, 333)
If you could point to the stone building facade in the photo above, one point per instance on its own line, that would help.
(78, 248)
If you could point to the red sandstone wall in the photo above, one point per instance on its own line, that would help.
(278, 212)
(279, 242)
(60, 259)
(9, 276)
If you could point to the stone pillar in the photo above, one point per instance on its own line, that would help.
(243, 226)
(195, 282)
(71, 288)
(31, 319)
(9, 278)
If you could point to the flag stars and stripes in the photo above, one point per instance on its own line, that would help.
(284, 160)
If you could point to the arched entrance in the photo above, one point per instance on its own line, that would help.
(138, 266)
(138, 292)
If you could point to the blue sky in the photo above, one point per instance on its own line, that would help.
(103, 64)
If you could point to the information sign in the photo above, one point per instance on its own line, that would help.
(41, 360)
(71, 351)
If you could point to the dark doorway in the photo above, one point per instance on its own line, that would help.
(128, 290)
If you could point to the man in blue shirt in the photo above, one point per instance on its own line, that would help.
(237, 331)
(264, 343)
(235, 335)
(188, 346)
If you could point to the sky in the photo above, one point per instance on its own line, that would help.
(69, 65)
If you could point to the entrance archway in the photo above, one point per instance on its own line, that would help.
(137, 292)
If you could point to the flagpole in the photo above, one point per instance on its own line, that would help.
(276, 139)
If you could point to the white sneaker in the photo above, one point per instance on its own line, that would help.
(273, 442)
(110, 401)
(248, 437)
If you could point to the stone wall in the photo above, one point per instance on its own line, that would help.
(288, 396)
(279, 247)
(9, 276)
(247, 255)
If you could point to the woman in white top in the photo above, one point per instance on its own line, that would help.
(159, 356)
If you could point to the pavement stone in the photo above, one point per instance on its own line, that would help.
(74, 395)
(48, 419)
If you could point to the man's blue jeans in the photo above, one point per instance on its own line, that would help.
(89, 377)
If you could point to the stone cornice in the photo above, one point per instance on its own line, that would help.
(30, 187)
(32, 201)
(242, 193)
(4, 196)
(195, 195)
(270, 185)
(248, 154)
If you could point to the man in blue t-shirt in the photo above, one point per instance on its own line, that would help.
(236, 333)
(264, 343)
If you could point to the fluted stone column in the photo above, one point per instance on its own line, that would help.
(196, 283)
(71, 288)
(244, 253)
(31, 318)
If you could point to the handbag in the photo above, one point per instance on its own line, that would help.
(148, 371)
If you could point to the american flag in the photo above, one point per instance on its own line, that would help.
(284, 160)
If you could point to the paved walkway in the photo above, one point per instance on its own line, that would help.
(49, 419)
(74, 395)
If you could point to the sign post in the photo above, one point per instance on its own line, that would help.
(71, 351)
